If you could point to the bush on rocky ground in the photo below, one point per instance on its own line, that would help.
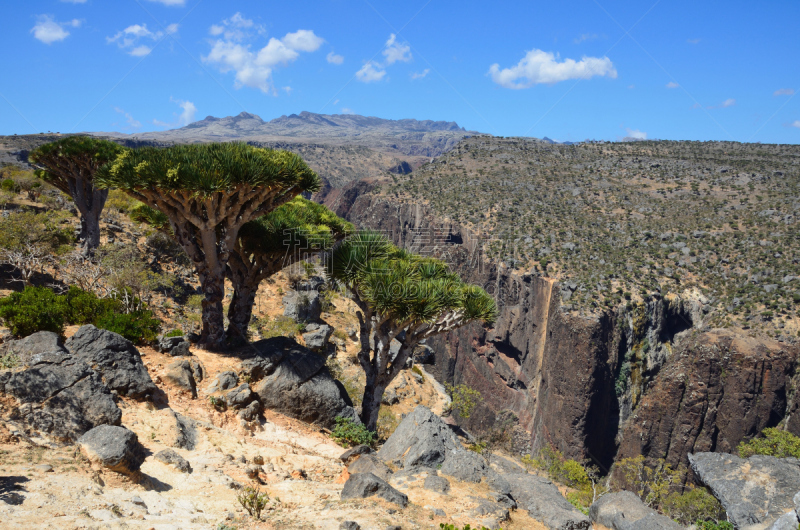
(348, 434)
(40, 309)
(772, 442)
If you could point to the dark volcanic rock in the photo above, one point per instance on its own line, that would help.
(718, 388)
(422, 438)
(756, 490)
(28, 348)
(302, 306)
(239, 397)
(369, 463)
(437, 484)
(170, 457)
(354, 452)
(545, 503)
(465, 466)
(115, 448)
(295, 381)
(115, 358)
(186, 374)
(59, 396)
(364, 485)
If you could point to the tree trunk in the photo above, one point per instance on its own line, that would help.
(90, 225)
(371, 404)
(241, 310)
(213, 285)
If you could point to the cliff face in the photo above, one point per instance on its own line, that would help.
(642, 379)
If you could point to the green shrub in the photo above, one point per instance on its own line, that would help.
(174, 333)
(34, 309)
(772, 442)
(253, 500)
(696, 504)
(137, 326)
(9, 185)
(84, 307)
(463, 399)
(711, 525)
(347, 434)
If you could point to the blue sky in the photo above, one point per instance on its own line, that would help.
(600, 69)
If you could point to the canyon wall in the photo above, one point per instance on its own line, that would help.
(646, 378)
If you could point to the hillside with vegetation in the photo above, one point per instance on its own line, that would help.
(622, 221)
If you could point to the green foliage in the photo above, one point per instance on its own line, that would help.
(40, 309)
(137, 326)
(387, 423)
(253, 500)
(217, 402)
(8, 360)
(463, 399)
(174, 333)
(696, 504)
(772, 442)
(49, 231)
(34, 309)
(280, 326)
(583, 479)
(207, 169)
(347, 433)
(653, 485)
(9, 185)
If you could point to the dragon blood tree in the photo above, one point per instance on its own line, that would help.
(208, 192)
(401, 297)
(295, 231)
(70, 164)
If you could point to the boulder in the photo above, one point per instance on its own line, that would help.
(787, 521)
(115, 358)
(185, 373)
(292, 380)
(491, 514)
(364, 485)
(115, 448)
(223, 381)
(302, 306)
(27, 349)
(422, 438)
(753, 491)
(175, 346)
(437, 484)
(171, 458)
(369, 463)
(349, 525)
(623, 510)
(544, 502)
(59, 396)
(354, 452)
(465, 466)
(239, 397)
(179, 431)
(250, 412)
(317, 339)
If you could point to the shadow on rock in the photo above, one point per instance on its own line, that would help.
(9, 486)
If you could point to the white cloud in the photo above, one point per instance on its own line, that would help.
(672, 84)
(725, 104)
(171, 3)
(693, 41)
(188, 111)
(795, 123)
(49, 31)
(631, 87)
(420, 75)
(288, 90)
(636, 133)
(784, 92)
(396, 51)
(539, 67)
(237, 28)
(132, 123)
(129, 38)
(345, 110)
(254, 68)
(370, 72)
(334, 59)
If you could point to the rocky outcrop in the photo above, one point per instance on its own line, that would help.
(115, 358)
(185, 374)
(718, 388)
(545, 503)
(57, 395)
(421, 439)
(753, 491)
(293, 380)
